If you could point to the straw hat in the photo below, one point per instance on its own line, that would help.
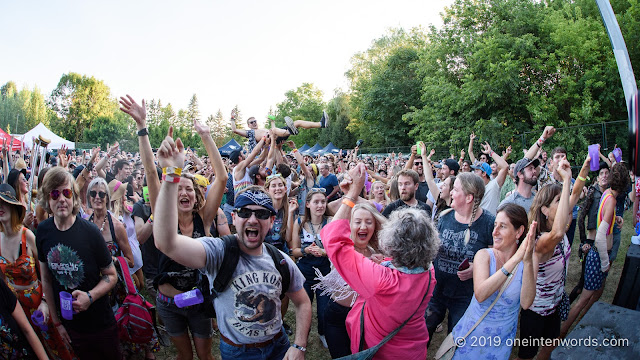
(117, 189)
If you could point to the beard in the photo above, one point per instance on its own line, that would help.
(533, 181)
(407, 197)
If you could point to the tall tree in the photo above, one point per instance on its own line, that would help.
(77, 101)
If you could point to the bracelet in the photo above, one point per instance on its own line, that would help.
(505, 272)
(350, 198)
(581, 178)
(348, 202)
(143, 132)
(301, 348)
(90, 298)
(56, 324)
(491, 153)
(540, 141)
(295, 150)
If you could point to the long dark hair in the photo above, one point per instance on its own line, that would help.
(544, 197)
(517, 217)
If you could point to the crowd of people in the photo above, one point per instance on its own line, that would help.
(388, 247)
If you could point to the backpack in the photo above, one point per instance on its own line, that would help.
(134, 317)
(228, 266)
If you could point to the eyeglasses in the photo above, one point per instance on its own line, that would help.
(261, 214)
(101, 194)
(55, 194)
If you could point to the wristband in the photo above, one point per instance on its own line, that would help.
(143, 132)
(171, 179)
(491, 153)
(505, 272)
(301, 348)
(295, 150)
(171, 170)
(581, 178)
(348, 202)
(90, 298)
(540, 142)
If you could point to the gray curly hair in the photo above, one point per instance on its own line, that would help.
(410, 238)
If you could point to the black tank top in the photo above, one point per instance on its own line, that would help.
(179, 276)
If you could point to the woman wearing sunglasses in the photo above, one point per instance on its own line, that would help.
(112, 230)
(307, 246)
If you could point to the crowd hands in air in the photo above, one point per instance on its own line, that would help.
(395, 242)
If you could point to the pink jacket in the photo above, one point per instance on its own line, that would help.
(391, 297)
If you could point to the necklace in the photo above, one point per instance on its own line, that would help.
(315, 235)
(104, 222)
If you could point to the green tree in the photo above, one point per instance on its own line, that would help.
(220, 130)
(339, 111)
(385, 86)
(303, 103)
(77, 101)
(193, 112)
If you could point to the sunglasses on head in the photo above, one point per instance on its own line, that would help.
(261, 214)
(101, 194)
(55, 194)
(274, 176)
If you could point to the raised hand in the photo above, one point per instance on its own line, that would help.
(564, 170)
(548, 132)
(293, 205)
(486, 148)
(472, 137)
(137, 112)
(113, 150)
(200, 128)
(423, 148)
(462, 153)
(414, 149)
(170, 152)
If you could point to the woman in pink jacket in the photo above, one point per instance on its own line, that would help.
(393, 292)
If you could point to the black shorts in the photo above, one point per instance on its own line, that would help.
(536, 326)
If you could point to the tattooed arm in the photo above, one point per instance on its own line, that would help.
(82, 300)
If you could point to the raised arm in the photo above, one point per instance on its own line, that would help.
(470, 150)
(503, 167)
(414, 152)
(182, 249)
(240, 132)
(139, 115)
(214, 198)
(548, 241)
(578, 185)
(242, 165)
(533, 150)
(84, 174)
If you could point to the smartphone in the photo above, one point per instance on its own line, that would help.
(464, 265)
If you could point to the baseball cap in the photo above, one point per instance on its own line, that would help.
(484, 167)
(524, 162)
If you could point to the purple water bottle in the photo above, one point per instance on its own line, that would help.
(594, 153)
(188, 298)
(38, 319)
(66, 305)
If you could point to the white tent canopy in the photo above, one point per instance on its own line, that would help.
(56, 141)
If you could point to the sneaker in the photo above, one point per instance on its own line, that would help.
(287, 328)
(324, 341)
(324, 121)
(292, 128)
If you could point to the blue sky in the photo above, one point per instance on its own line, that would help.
(227, 52)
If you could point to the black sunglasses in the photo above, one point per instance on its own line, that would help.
(101, 194)
(261, 214)
(55, 194)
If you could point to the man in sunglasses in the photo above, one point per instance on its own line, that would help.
(74, 258)
(248, 310)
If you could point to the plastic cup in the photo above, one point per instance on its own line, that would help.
(594, 153)
(38, 319)
(617, 153)
(66, 305)
(189, 298)
(419, 150)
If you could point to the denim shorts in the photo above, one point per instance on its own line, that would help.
(177, 321)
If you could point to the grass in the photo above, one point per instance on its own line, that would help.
(315, 350)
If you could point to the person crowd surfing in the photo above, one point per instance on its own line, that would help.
(387, 246)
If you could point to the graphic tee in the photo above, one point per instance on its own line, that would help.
(453, 250)
(74, 258)
(248, 311)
